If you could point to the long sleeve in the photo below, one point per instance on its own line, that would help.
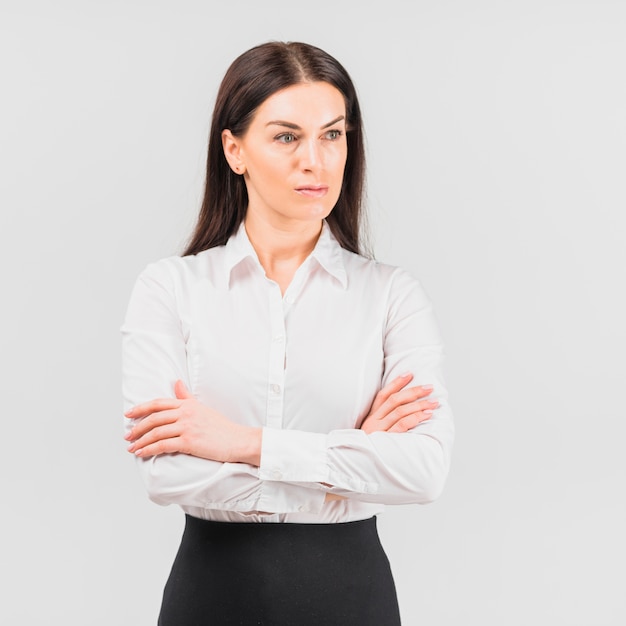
(155, 335)
(390, 468)
(304, 365)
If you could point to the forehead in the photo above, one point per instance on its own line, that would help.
(305, 103)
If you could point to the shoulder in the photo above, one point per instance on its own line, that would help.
(376, 275)
(175, 271)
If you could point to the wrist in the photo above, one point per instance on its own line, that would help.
(250, 448)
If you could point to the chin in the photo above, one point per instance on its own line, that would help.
(320, 214)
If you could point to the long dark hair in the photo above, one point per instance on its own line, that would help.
(249, 81)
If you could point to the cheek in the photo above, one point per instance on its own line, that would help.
(267, 174)
(339, 167)
(340, 157)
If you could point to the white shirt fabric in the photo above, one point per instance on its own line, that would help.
(305, 367)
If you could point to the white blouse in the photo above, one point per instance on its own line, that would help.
(305, 367)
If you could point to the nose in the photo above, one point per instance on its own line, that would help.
(310, 156)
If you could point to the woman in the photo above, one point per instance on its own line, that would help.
(281, 387)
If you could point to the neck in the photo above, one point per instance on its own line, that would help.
(281, 249)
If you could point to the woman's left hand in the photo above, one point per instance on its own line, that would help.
(398, 408)
(183, 424)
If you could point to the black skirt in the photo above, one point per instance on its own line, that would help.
(280, 575)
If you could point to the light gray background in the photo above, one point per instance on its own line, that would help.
(497, 154)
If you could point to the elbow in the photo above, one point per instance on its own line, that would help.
(431, 489)
(157, 496)
(432, 477)
(422, 485)
(419, 472)
(418, 488)
(156, 493)
(160, 490)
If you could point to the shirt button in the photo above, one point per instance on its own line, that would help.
(275, 389)
(289, 300)
(279, 338)
(277, 474)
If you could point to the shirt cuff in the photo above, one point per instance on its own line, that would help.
(293, 456)
(279, 497)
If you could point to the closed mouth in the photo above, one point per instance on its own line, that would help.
(312, 191)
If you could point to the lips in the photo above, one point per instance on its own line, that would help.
(312, 191)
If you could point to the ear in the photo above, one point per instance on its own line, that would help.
(232, 152)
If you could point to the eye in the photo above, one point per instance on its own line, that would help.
(333, 135)
(286, 138)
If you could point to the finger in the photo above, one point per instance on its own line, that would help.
(394, 386)
(410, 421)
(163, 446)
(409, 394)
(400, 420)
(402, 411)
(153, 406)
(160, 433)
(155, 420)
(402, 398)
(181, 391)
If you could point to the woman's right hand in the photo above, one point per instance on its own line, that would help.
(398, 408)
(182, 424)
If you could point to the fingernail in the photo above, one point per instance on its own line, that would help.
(427, 412)
(434, 402)
(406, 375)
(128, 413)
(427, 387)
(127, 436)
(139, 452)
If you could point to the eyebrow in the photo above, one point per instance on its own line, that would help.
(296, 127)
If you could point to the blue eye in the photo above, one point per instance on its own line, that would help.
(334, 134)
(286, 138)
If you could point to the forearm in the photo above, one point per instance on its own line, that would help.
(389, 468)
(193, 482)
(249, 449)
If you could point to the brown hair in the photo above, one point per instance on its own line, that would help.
(249, 81)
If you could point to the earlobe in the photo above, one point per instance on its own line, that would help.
(232, 152)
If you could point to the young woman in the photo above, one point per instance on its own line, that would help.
(281, 387)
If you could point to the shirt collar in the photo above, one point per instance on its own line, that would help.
(327, 253)
(238, 248)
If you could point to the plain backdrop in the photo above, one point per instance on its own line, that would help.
(497, 159)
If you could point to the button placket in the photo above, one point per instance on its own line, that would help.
(295, 287)
(275, 388)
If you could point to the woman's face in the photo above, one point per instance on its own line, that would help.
(293, 154)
